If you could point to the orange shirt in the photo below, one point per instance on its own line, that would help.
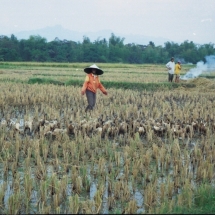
(92, 83)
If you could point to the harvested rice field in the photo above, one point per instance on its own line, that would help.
(148, 144)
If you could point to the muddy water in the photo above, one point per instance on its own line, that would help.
(136, 193)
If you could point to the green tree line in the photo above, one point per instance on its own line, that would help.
(113, 50)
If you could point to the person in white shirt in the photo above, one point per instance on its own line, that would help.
(171, 69)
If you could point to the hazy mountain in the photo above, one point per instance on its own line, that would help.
(50, 33)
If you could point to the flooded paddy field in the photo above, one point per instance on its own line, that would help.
(136, 151)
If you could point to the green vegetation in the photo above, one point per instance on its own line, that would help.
(203, 202)
(144, 77)
(44, 81)
(117, 85)
(122, 73)
(12, 65)
(208, 76)
(37, 49)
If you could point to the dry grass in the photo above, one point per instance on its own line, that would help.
(55, 158)
(113, 72)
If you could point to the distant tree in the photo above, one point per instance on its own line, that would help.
(152, 44)
(150, 55)
(172, 49)
(89, 51)
(36, 48)
(189, 51)
(101, 48)
(116, 48)
(9, 48)
(133, 53)
(206, 50)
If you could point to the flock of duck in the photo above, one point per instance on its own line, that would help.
(111, 126)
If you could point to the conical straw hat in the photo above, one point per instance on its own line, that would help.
(88, 70)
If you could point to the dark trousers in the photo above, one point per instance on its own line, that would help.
(91, 99)
(170, 77)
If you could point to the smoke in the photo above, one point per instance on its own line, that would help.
(200, 68)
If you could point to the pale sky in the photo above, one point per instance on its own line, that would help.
(177, 20)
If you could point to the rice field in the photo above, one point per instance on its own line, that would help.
(62, 72)
(139, 151)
